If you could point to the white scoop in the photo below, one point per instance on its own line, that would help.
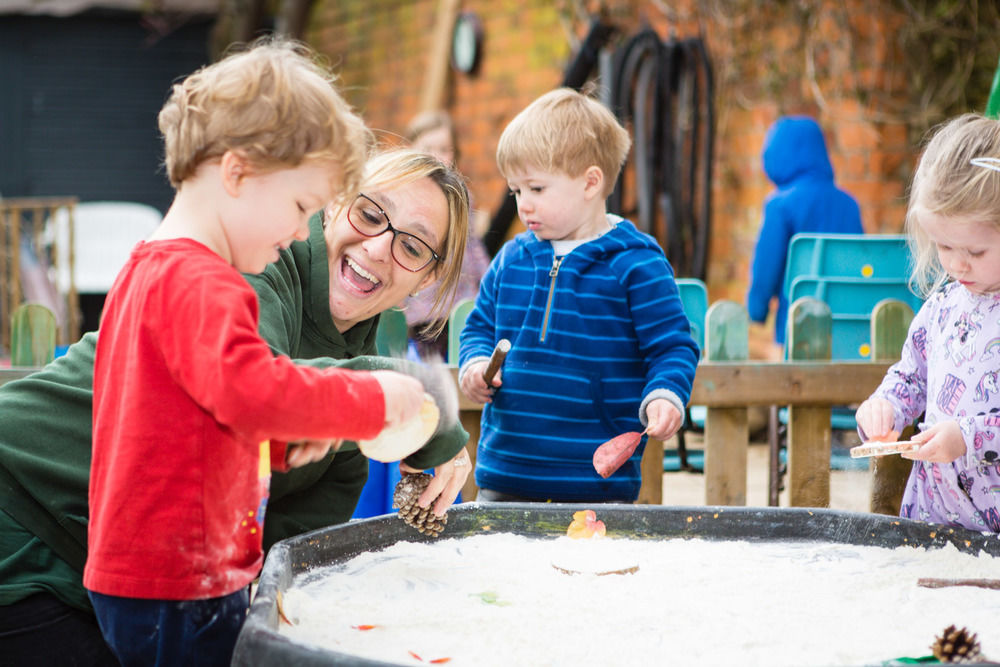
(394, 444)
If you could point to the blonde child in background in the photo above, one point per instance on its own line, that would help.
(186, 392)
(433, 132)
(601, 344)
(949, 365)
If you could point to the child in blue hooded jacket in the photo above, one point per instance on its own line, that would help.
(601, 344)
(806, 200)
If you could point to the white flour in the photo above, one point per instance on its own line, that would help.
(498, 600)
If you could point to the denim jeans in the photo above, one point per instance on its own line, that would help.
(171, 632)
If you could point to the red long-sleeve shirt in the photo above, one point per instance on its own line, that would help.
(186, 394)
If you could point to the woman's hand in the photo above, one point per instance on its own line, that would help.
(449, 478)
(876, 418)
(475, 387)
(941, 443)
(662, 419)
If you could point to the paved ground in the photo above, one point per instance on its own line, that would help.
(849, 490)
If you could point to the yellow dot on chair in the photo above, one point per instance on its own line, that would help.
(250, 513)
(867, 270)
(253, 531)
(865, 350)
(244, 522)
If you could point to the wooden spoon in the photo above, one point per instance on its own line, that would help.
(496, 360)
(876, 448)
(613, 454)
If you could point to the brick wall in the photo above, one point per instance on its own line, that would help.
(834, 60)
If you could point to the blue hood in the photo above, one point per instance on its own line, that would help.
(795, 148)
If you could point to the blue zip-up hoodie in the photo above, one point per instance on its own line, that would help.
(595, 338)
(807, 200)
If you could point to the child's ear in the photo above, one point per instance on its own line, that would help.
(234, 167)
(593, 182)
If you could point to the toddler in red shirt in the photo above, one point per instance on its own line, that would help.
(191, 407)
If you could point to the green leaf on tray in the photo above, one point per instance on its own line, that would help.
(490, 597)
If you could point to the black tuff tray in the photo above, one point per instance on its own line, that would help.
(260, 643)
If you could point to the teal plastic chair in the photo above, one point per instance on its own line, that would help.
(456, 322)
(391, 338)
(862, 256)
(694, 298)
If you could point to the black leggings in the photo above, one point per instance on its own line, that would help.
(41, 630)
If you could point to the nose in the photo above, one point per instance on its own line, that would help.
(379, 247)
(302, 232)
(524, 204)
(958, 264)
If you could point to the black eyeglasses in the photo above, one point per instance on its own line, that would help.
(368, 219)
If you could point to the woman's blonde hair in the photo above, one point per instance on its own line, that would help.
(948, 183)
(565, 131)
(273, 102)
(400, 166)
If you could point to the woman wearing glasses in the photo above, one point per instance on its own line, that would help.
(319, 302)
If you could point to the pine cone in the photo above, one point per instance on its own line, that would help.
(956, 646)
(404, 498)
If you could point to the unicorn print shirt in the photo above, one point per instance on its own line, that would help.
(948, 370)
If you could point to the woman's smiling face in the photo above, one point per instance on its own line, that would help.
(364, 278)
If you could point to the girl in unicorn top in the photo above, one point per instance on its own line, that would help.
(949, 365)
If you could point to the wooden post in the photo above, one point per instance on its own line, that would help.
(5, 252)
(890, 323)
(470, 422)
(651, 491)
(809, 338)
(469, 414)
(14, 290)
(726, 433)
(439, 62)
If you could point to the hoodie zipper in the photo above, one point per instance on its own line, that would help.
(553, 272)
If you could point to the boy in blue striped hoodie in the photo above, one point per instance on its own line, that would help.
(601, 344)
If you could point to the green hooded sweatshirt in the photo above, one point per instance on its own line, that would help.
(46, 420)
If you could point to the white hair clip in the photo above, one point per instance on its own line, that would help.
(987, 162)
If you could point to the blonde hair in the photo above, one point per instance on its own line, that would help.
(428, 121)
(565, 131)
(400, 166)
(273, 102)
(948, 184)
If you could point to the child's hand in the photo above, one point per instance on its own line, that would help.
(662, 419)
(309, 451)
(941, 443)
(404, 395)
(876, 418)
(474, 386)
